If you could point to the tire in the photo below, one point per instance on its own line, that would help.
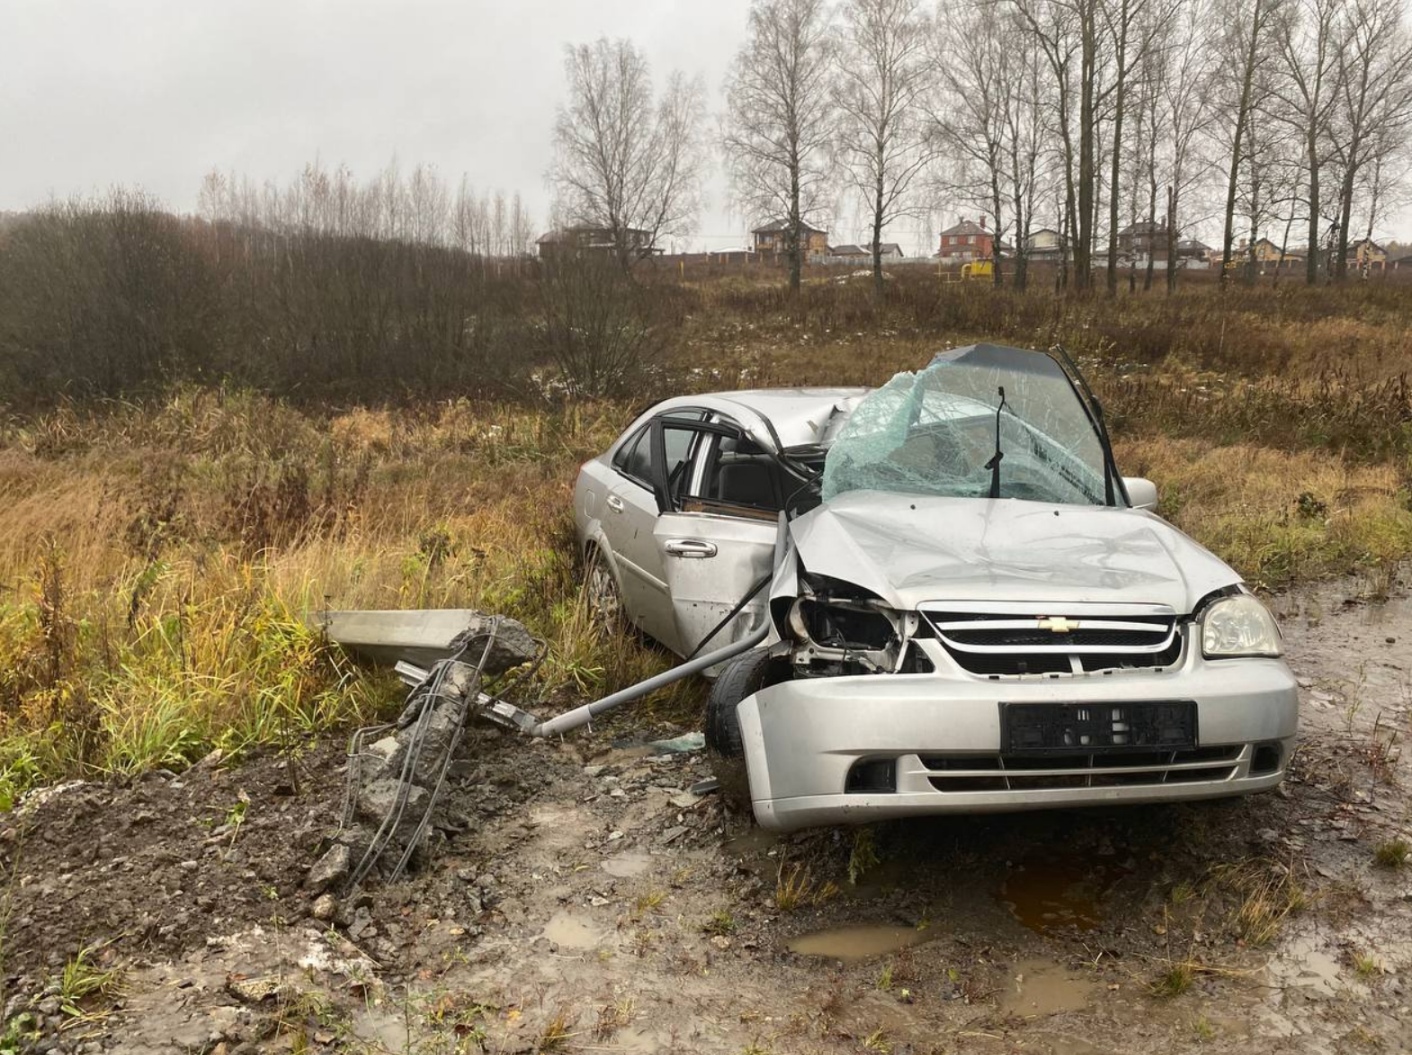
(745, 676)
(605, 597)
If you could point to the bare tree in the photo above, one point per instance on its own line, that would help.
(1374, 105)
(1069, 33)
(1306, 90)
(1184, 113)
(881, 75)
(624, 160)
(1244, 55)
(780, 113)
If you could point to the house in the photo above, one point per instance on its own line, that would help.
(1402, 263)
(967, 240)
(586, 238)
(1193, 253)
(773, 237)
(862, 254)
(1138, 241)
(1266, 253)
(1045, 244)
(1366, 253)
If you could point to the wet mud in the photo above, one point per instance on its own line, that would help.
(586, 901)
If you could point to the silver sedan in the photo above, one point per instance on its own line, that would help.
(946, 597)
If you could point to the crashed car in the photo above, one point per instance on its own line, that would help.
(944, 596)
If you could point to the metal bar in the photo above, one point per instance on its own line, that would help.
(580, 716)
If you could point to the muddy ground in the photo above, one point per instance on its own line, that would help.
(579, 898)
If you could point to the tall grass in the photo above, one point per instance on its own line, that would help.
(159, 557)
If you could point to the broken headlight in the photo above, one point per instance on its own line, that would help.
(1239, 625)
(835, 615)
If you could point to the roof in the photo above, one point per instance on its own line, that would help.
(783, 225)
(863, 250)
(1368, 242)
(1194, 245)
(561, 234)
(798, 415)
(1144, 227)
(966, 227)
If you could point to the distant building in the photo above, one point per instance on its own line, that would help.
(862, 254)
(1141, 240)
(773, 237)
(1193, 253)
(585, 238)
(1045, 244)
(967, 240)
(1367, 253)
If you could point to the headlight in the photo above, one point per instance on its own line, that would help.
(1239, 626)
(849, 624)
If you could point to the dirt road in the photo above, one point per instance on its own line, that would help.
(581, 899)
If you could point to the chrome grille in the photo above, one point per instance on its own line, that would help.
(1024, 638)
(1019, 772)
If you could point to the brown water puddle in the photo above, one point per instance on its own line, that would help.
(1043, 987)
(857, 942)
(571, 932)
(1047, 892)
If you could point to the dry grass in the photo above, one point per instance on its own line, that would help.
(158, 559)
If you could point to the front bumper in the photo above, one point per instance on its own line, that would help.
(802, 739)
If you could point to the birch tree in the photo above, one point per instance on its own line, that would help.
(626, 160)
(1374, 106)
(780, 114)
(881, 77)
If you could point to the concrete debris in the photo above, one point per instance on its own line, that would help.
(330, 869)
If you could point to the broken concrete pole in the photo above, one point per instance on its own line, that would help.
(377, 798)
(424, 636)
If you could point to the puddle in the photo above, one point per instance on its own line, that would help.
(571, 932)
(756, 840)
(627, 865)
(856, 942)
(1300, 962)
(1047, 893)
(1043, 987)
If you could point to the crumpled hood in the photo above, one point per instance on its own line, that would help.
(909, 549)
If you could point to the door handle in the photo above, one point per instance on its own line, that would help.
(615, 503)
(690, 547)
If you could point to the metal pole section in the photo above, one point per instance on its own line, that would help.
(585, 714)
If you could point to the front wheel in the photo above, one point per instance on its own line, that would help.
(605, 598)
(744, 676)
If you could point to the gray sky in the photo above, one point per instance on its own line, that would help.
(156, 93)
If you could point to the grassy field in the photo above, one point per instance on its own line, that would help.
(158, 557)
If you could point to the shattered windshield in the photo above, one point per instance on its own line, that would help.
(934, 432)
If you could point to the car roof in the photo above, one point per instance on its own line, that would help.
(798, 415)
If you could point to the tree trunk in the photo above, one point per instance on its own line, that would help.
(1114, 172)
(1083, 241)
(793, 239)
(1238, 140)
(877, 237)
(1171, 239)
(1311, 263)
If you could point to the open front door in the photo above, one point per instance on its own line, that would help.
(711, 561)
(716, 535)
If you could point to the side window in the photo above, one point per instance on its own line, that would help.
(634, 458)
(679, 442)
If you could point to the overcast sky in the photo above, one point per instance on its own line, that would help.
(156, 93)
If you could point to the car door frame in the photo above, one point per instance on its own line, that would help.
(702, 549)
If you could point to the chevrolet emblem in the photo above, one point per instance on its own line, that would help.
(1058, 624)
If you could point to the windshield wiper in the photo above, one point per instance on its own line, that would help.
(994, 464)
